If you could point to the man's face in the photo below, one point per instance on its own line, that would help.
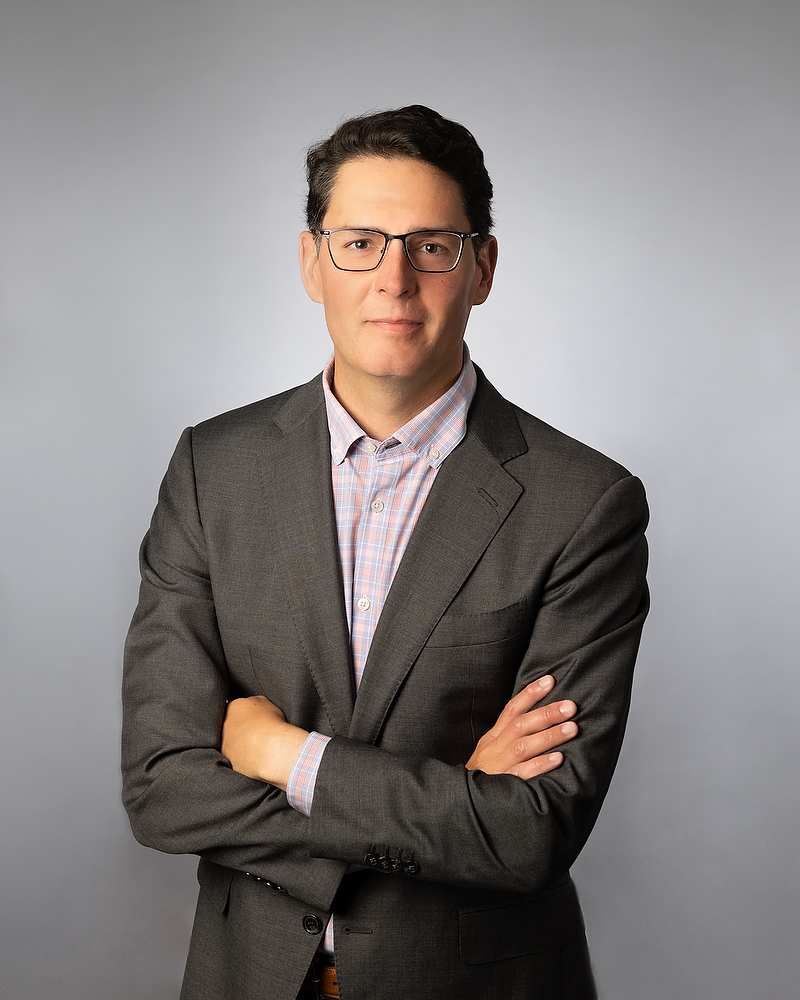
(395, 322)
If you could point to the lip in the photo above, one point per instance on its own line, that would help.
(395, 322)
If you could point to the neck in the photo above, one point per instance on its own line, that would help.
(382, 405)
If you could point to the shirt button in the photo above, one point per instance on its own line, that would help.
(434, 453)
(363, 603)
(370, 446)
(377, 506)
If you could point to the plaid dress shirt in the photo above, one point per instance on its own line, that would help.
(379, 490)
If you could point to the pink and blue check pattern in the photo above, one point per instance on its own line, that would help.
(379, 490)
(300, 784)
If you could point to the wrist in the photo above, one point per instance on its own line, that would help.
(281, 748)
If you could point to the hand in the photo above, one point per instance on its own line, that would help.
(259, 742)
(518, 743)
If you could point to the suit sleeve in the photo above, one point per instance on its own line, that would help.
(498, 831)
(180, 792)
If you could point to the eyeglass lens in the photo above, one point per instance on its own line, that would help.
(361, 249)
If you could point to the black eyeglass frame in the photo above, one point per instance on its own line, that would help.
(387, 238)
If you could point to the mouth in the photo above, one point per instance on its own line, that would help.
(395, 324)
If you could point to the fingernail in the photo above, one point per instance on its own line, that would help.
(566, 708)
(546, 682)
(554, 757)
(569, 728)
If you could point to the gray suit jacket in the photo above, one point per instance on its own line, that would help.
(528, 558)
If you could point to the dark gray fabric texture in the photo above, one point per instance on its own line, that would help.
(528, 558)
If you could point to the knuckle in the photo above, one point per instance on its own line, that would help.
(543, 716)
(518, 726)
(520, 750)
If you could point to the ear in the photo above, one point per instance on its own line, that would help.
(484, 271)
(309, 266)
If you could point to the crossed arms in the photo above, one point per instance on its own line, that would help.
(261, 744)
(479, 825)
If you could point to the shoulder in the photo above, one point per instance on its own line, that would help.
(577, 478)
(561, 469)
(258, 422)
(232, 447)
(564, 454)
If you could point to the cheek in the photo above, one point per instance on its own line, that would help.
(454, 304)
(337, 302)
(343, 292)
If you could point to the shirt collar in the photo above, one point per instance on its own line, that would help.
(431, 434)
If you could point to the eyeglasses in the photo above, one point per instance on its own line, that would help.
(431, 250)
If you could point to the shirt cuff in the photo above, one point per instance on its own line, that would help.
(303, 776)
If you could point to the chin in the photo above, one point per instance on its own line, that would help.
(396, 362)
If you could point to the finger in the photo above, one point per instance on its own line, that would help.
(538, 766)
(522, 702)
(545, 717)
(539, 720)
(531, 747)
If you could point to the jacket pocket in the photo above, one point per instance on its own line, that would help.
(484, 627)
(548, 920)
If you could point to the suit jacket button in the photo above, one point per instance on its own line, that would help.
(395, 865)
(371, 859)
(410, 867)
(312, 924)
(384, 861)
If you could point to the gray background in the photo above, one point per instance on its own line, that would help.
(647, 167)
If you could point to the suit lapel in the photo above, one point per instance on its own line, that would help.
(471, 497)
(299, 505)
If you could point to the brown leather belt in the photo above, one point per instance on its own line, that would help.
(320, 983)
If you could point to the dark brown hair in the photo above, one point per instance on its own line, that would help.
(416, 133)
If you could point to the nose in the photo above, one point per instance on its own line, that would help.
(395, 275)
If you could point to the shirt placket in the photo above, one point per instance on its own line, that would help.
(373, 549)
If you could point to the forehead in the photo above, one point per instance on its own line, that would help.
(381, 193)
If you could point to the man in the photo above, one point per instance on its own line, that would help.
(360, 601)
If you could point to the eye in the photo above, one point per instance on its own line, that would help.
(358, 241)
(434, 250)
(432, 244)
